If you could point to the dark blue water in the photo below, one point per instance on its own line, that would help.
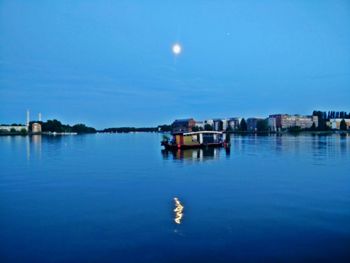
(109, 198)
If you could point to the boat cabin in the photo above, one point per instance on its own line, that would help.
(196, 139)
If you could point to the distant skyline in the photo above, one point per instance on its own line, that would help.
(111, 63)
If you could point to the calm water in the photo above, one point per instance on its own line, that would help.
(109, 198)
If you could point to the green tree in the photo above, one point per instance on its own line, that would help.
(208, 127)
(82, 128)
(322, 120)
(53, 126)
(195, 128)
(262, 126)
(313, 127)
(294, 129)
(164, 128)
(24, 132)
(343, 126)
(229, 128)
(243, 125)
(165, 138)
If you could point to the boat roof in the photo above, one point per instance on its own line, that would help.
(201, 132)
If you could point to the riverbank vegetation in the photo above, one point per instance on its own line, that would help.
(57, 127)
(160, 128)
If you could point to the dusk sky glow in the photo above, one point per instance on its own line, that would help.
(111, 63)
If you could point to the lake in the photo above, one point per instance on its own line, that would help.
(110, 198)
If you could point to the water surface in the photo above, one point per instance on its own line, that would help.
(110, 198)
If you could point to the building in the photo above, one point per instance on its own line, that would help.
(15, 127)
(271, 122)
(233, 123)
(200, 125)
(252, 124)
(275, 121)
(335, 123)
(36, 127)
(183, 125)
(209, 122)
(279, 122)
(218, 125)
(224, 124)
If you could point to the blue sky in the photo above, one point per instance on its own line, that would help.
(109, 63)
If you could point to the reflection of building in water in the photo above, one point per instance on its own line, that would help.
(33, 146)
(178, 211)
(200, 154)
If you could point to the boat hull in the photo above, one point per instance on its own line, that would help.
(169, 146)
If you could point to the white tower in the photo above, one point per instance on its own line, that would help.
(28, 118)
(39, 116)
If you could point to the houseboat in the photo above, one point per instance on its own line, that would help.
(198, 139)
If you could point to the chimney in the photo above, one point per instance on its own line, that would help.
(28, 118)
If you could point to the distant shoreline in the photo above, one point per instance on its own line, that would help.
(162, 132)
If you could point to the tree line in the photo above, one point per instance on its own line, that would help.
(57, 126)
(129, 129)
(160, 128)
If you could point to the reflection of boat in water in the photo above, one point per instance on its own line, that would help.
(201, 139)
(198, 154)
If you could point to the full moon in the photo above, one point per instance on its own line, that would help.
(176, 49)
